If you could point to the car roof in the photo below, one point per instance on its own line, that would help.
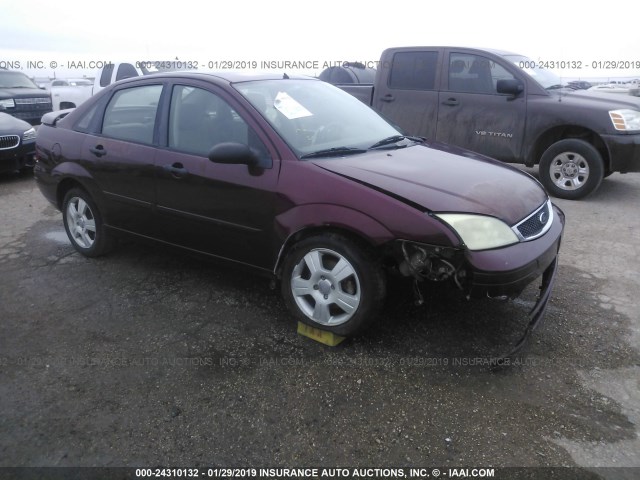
(227, 76)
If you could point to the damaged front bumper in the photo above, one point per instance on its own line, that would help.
(536, 315)
(498, 273)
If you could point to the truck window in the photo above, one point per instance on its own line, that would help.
(413, 70)
(105, 78)
(126, 70)
(475, 74)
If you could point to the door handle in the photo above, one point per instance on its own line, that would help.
(177, 170)
(98, 151)
(451, 101)
(388, 98)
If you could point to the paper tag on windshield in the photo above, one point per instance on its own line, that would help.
(289, 107)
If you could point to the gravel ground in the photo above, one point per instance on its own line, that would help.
(148, 357)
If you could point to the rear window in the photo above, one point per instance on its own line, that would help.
(126, 70)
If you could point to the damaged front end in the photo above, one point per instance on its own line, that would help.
(431, 263)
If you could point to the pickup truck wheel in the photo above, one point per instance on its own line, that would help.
(333, 284)
(83, 223)
(571, 169)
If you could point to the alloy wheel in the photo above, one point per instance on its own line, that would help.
(325, 287)
(81, 222)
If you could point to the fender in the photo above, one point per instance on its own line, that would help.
(297, 220)
(69, 172)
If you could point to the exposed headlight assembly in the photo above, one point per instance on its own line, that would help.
(625, 120)
(480, 232)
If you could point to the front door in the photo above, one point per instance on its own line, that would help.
(473, 115)
(224, 210)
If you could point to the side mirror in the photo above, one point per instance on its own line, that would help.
(510, 86)
(233, 154)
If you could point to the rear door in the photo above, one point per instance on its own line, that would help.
(121, 153)
(472, 114)
(407, 92)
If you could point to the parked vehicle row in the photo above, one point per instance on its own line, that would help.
(503, 105)
(300, 181)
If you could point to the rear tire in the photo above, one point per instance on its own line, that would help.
(83, 223)
(571, 169)
(332, 283)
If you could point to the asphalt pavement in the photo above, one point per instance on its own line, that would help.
(150, 357)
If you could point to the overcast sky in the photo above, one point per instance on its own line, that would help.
(328, 30)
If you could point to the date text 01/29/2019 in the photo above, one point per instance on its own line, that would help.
(579, 64)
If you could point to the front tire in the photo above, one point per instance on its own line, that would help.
(571, 169)
(331, 283)
(83, 223)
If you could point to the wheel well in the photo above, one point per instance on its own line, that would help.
(556, 134)
(312, 231)
(65, 105)
(64, 186)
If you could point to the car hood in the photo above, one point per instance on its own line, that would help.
(11, 125)
(442, 178)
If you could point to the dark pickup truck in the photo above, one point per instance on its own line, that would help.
(505, 106)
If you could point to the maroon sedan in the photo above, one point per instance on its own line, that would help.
(297, 179)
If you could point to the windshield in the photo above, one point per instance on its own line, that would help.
(314, 117)
(546, 78)
(15, 80)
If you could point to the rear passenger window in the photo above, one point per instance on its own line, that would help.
(414, 70)
(475, 74)
(131, 114)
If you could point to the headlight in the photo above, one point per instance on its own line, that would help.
(625, 120)
(480, 232)
(7, 103)
(29, 135)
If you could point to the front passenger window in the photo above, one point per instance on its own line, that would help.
(200, 120)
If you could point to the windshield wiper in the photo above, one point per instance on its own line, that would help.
(394, 139)
(334, 151)
(555, 87)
